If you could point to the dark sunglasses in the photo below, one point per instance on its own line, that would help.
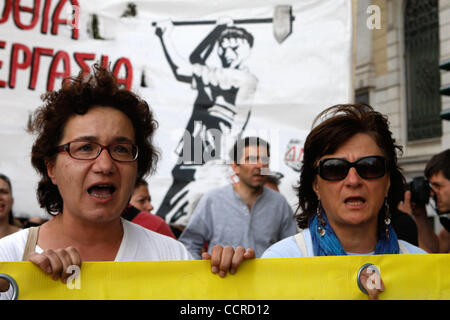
(333, 169)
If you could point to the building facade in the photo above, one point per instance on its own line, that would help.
(400, 50)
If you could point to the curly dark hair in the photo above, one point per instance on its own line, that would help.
(76, 96)
(341, 123)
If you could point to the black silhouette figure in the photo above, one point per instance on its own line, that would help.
(221, 110)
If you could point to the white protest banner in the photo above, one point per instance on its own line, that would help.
(208, 69)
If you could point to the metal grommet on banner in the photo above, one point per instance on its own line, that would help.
(13, 284)
(358, 280)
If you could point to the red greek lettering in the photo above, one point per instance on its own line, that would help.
(33, 10)
(80, 58)
(61, 56)
(127, 81)
(6, 11)
(56, 20)
(37, 53)
(2, 46)
(15, 64)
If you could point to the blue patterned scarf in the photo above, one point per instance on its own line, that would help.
(329, 245)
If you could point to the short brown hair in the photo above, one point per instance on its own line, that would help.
(76, 96)
(439, 163)
(343, 122)
(239, 147)
(140, 182)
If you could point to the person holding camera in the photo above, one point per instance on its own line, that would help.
(437, 171)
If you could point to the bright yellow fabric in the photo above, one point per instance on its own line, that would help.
(405, 277)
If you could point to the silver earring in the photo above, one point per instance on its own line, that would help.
(321, 222)
(387, 217)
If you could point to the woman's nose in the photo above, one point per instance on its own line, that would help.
(353, 177)
(104, 162)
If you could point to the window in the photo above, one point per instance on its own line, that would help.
(362, 95)
(422, 69)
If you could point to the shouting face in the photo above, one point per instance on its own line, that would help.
(99, 189)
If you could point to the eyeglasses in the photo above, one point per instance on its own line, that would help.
(333, 169)
(87, 150)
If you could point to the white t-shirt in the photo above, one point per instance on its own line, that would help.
(138, 244)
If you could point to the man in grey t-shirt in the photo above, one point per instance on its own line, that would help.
(243, 214)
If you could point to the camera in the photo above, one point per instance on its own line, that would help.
(445, 221)
(420, 194)
(420, 190)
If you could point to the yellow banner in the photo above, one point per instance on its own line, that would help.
(328, 278)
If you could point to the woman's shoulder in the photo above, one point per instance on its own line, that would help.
(289, 247)
(408, 248)
(141, 233)
(13, 245)
(151, 245)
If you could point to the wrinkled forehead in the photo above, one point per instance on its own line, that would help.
(99, 122)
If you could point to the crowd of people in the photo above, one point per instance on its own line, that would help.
(94, 148)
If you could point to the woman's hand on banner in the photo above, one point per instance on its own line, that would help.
(226, 259)
(56, 263)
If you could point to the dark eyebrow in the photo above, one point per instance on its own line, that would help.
(86, 138)
(123, 139)
(95, 139)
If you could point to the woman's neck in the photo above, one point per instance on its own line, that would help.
(94, 242)
(6, 228)
(357, 239)
(247, 194)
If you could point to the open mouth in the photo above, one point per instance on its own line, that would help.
(102, 191)
(258, 176)
(355, 201)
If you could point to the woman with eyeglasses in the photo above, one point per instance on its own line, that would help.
(6, 202)
(349, 184)
(94, 140)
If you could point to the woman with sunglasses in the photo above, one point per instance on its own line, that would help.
(349, 183)
(94, 140)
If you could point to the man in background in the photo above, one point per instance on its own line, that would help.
(221, 110)
(245, 213)
(437, 172)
